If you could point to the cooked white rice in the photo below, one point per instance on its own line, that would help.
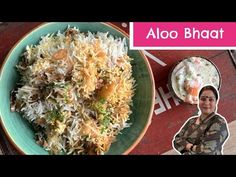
(76, 90)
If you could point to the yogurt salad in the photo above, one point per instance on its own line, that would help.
(190, 75)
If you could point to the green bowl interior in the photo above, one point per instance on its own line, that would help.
(20, 131)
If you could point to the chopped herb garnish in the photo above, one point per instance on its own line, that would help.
(105, 121)
(102, 100)
(55, 115)
(100, 108)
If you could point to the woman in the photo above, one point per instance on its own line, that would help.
(205, 133)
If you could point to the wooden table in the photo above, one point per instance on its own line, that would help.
(169, 114)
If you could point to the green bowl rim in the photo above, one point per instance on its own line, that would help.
(145, 60)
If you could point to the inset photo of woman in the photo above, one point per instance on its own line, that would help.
(206, 133)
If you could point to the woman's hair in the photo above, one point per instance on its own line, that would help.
(209, 87)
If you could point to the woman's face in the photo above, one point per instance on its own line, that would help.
(207, 102)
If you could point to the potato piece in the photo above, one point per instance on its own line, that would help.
(107, 90)
(60, 54)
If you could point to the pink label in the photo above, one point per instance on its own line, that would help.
(183, 34)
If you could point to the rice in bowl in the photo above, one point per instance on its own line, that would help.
(76, 90)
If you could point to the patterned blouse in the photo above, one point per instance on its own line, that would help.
(208, 136)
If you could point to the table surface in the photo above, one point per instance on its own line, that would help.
(169, 115)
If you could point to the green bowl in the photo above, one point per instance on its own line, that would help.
(18, 130)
